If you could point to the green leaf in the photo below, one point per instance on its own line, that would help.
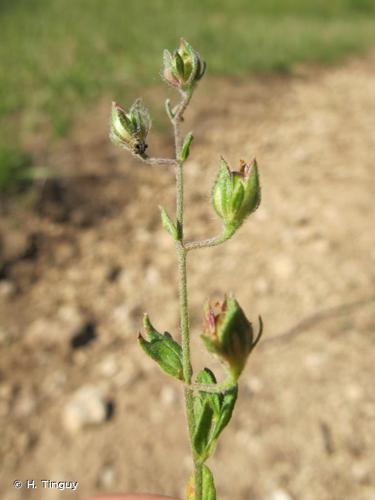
(207, 408)
(166, 352)
(212, 413)
(226, 411)
(150, 330)
(168, 224)
(208, 486)
(162, 349)
(185, 150)
(209, 490)
(203, 429)
(207, 377)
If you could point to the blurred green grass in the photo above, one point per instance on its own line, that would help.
(15, 168)
(57, 56)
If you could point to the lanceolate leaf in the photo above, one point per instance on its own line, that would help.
(209, 490)
(168, 224)
(227, 406)
(162, 349)
(203, 429)
(185, 150)
(206, 414)
(207, 377)
(150, 330)
(208, 486)
(212, 412)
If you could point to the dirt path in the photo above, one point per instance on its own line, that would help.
(80, 271)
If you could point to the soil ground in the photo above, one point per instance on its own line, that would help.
(85, 255)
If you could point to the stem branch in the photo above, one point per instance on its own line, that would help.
(158, 162)
(210, 242)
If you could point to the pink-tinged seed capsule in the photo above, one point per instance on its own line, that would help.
(229, 334)
(236, 194)
(184, 67)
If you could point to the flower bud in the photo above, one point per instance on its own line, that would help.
(236, 194)
(184, 67)
(130, 129)
(229, 334)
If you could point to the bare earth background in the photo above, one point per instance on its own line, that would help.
(86, 256)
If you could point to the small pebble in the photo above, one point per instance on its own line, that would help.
(108, 367)
(280, 495)
(25, 405)
(86, 407)
(7, 289)
(283, 266)
(253, 385)
(169, 395)
(107, 477)
(360, 472)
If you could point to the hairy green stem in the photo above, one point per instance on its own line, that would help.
(178, 118)
(223, 388)
(184, 325)
(211, 242)
(182, 288)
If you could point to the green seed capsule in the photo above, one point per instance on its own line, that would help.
(130, 130)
